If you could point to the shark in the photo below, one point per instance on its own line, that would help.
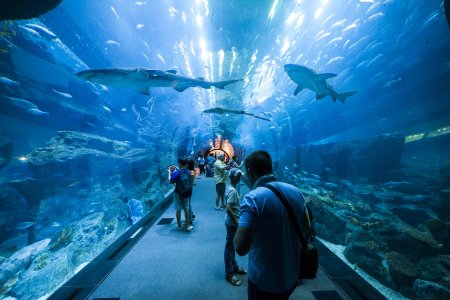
(307, 78)
(142, 80)
(219, 110)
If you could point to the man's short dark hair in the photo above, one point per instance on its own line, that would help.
(259, 162)
(182, 161)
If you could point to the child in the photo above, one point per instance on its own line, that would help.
(231, 223)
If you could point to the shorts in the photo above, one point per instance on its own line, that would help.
(220, 188)
(181, 203)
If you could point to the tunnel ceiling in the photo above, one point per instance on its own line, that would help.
(394, 53)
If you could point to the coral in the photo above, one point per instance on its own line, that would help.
(401, 264)
(64, 239)
(40, 261)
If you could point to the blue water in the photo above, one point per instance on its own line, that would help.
(394, 53)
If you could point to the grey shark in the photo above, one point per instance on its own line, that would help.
(143, 79)
(307, 78)
(219, 110)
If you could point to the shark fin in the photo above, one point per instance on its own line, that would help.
(222, 84)
(325, 76)
(345, 95)
(171, 71)
(298, 89)
(180, 88)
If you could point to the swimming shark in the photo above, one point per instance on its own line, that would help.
(307, 78)
(219, 110)
(143, 79)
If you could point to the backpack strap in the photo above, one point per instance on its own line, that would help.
(290, 212)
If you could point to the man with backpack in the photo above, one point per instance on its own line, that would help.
(183, 191)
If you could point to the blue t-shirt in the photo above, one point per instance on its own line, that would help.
(274, 255)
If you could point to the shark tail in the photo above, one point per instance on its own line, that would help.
(343, 96)
(222, 84)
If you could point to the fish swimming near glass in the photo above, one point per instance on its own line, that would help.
(143, 79)
(219, 110)
(307, 78)
(26, 105)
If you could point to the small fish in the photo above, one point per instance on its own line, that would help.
(395, 184)
(65, 95)
(123, 110)
(114, 11)
(106, 108)
(24, 225)
(392, 82)
(146, 57)
(8, 81)
(42, 30)
(335, 40)
(55, 224)
(339, 24)
(373, 8)
(139, 26)
(375, 16)
(37, 112)
(140, 3)
(161, 58)
(375, 59)
(431, 18)
(334, 59)
(31, 31)
(352, 26)
(346, 43)
(321, 37)
(26, 105)
(111, 42)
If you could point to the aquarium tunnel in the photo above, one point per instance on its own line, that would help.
(351, 98)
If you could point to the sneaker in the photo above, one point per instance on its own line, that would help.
(189, 228)
(217, 208)
(222, 206)
(180, 228)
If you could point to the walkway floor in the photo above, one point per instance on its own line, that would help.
(168, 264)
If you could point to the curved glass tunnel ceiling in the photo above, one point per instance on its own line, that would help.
(163, 79)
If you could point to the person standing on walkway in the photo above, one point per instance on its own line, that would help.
(220, 177)
(201, 164)
(191, 168)
(231, 224)
(266, 233)
(182, 179)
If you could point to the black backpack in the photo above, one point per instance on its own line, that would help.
(184, 184)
